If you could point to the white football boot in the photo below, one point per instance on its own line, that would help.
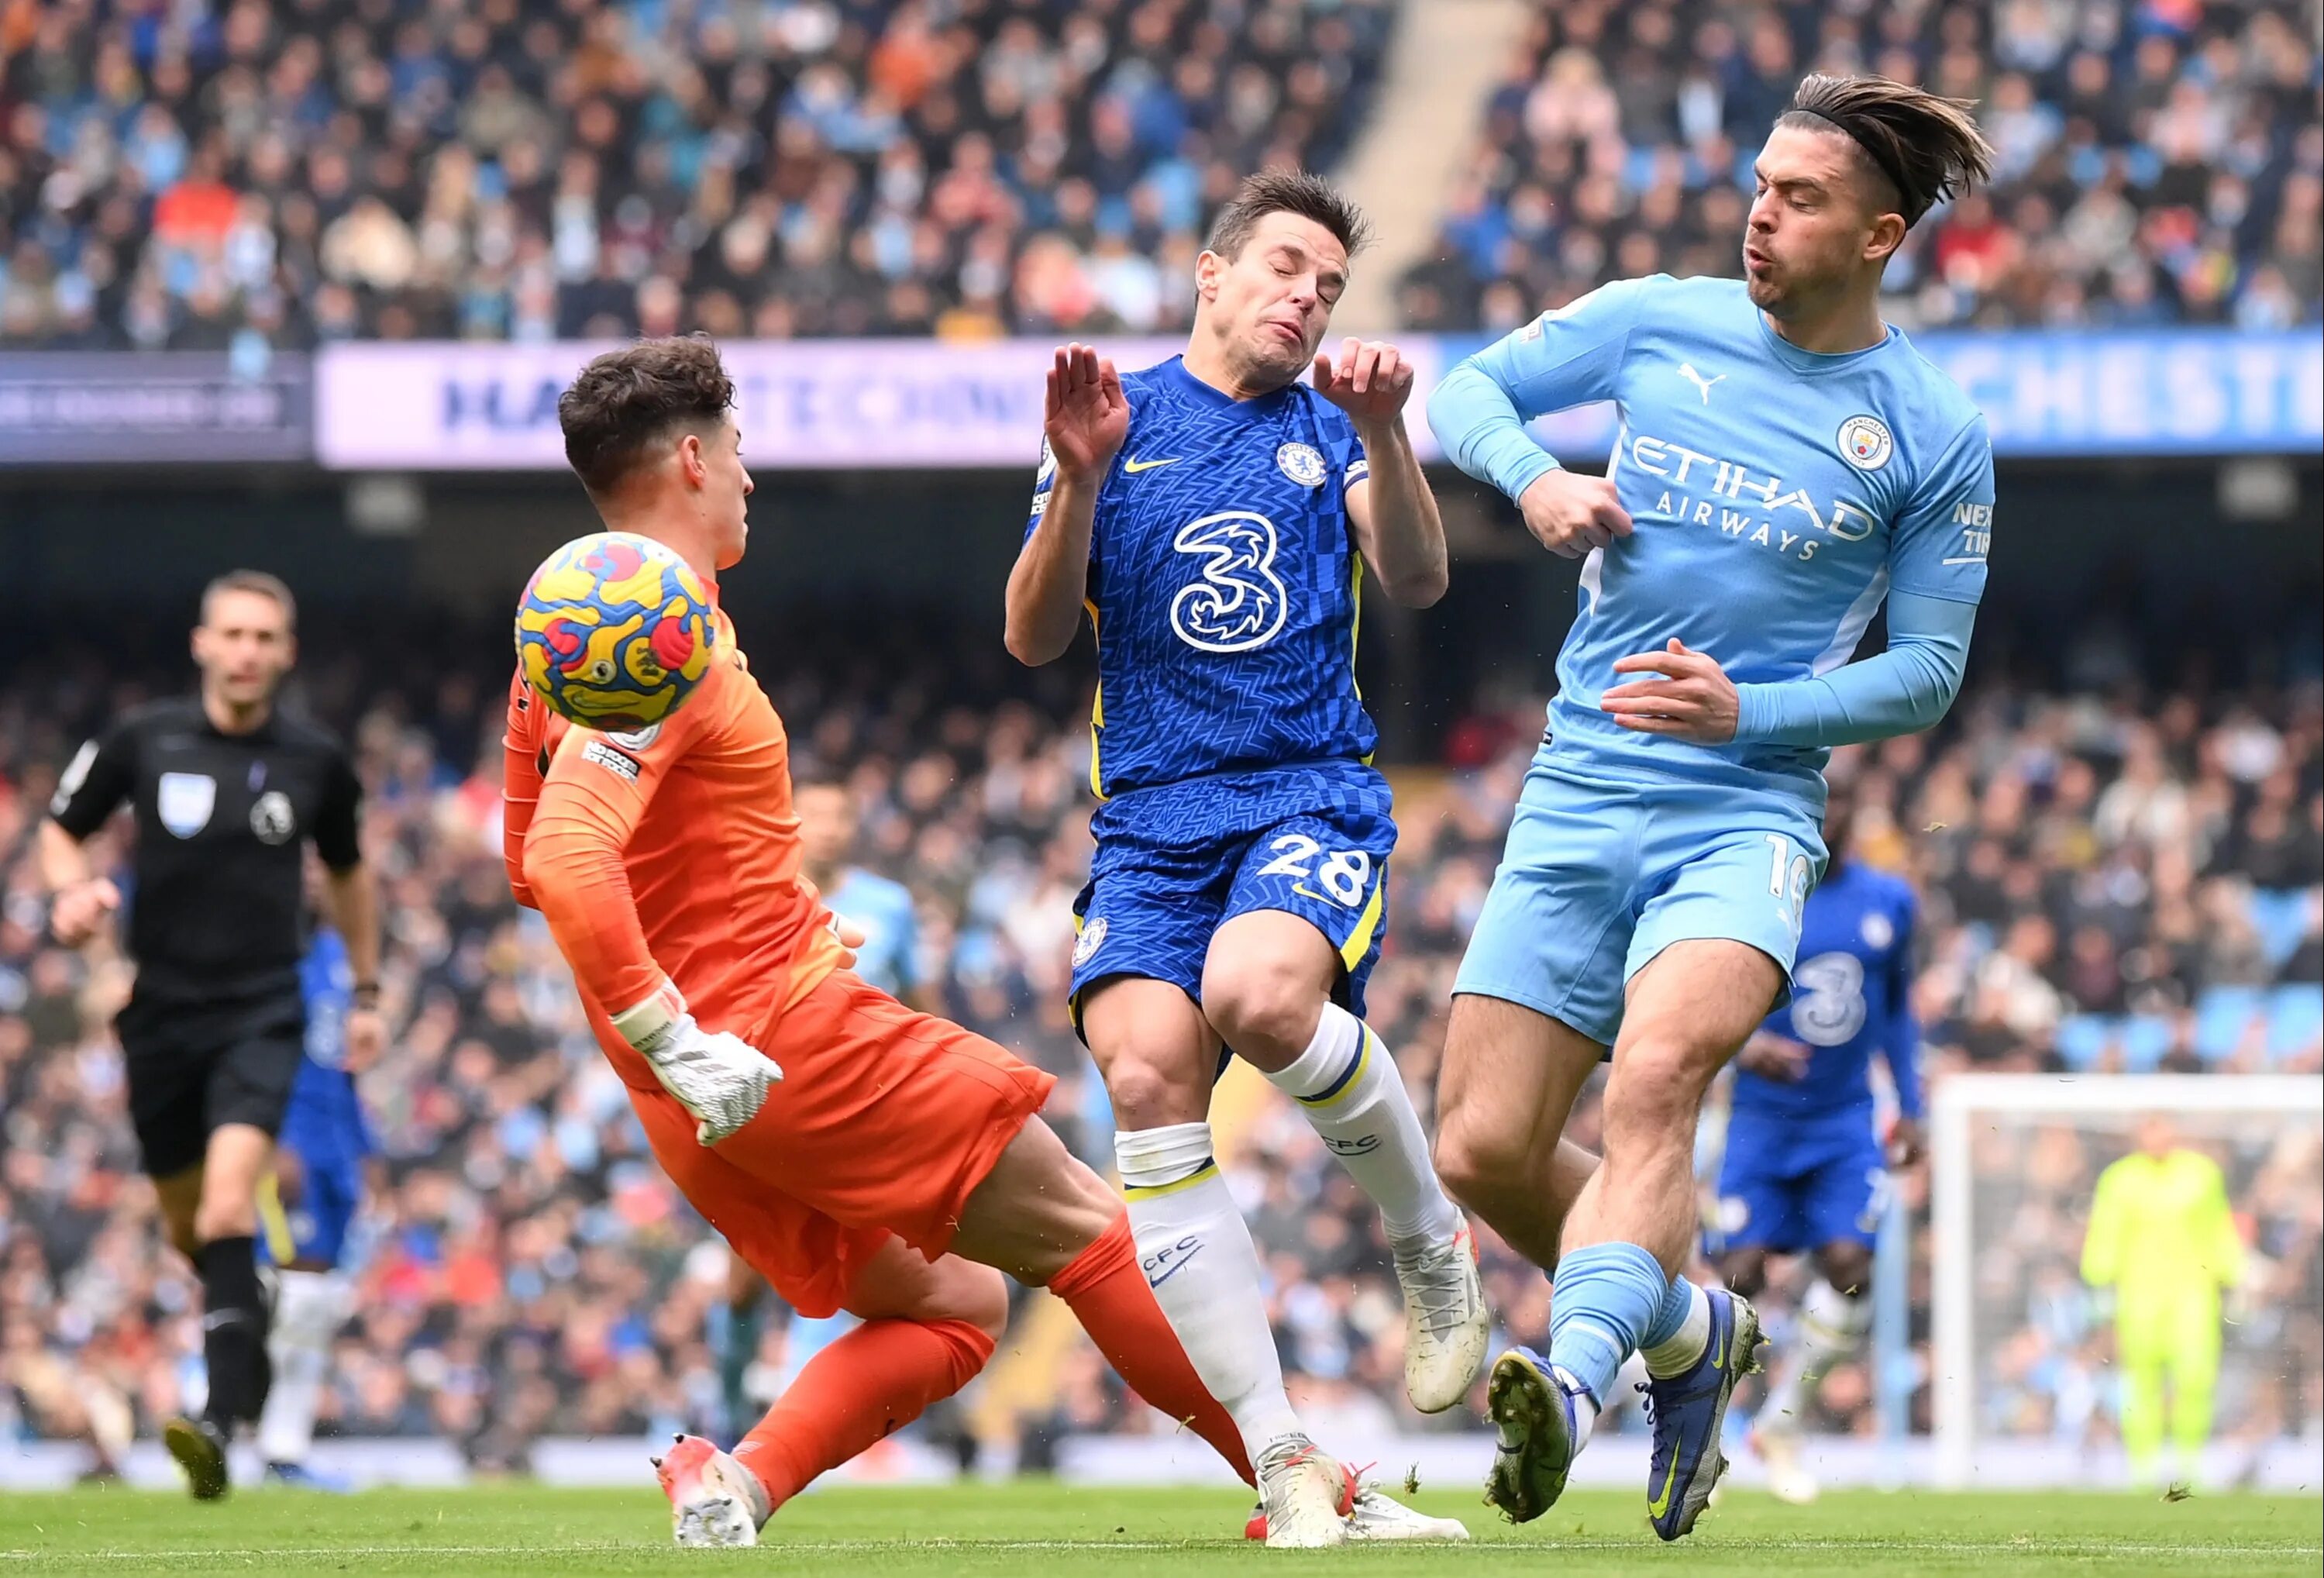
(1447, 1329)
(1378, 1516)
(713, 1500)
(1789, 1478)
(1307, 1494)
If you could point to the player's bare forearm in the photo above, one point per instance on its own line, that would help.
(64, 861)
(354, 914)
(1396, 519)
(1051, 577)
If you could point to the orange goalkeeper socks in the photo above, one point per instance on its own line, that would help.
(1108, 1294)
(871, 1382)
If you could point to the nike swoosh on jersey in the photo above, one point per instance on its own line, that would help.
(1134, 466)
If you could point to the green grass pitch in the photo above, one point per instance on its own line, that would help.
(1032, 1529)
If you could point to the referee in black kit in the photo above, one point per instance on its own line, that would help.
(227, 790)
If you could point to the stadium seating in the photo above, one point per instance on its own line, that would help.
(219, 174)
(532, 1273)
(2157, 162)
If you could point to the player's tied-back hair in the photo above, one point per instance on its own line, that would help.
(1924, 147)
(625, 402)
(1287, 191)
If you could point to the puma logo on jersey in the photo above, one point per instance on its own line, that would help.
(1134, 466)
(1686, 371)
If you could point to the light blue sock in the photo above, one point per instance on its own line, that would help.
(1603, 1299)
(1670, 1315)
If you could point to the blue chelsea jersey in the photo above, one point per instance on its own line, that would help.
(1223, 584)
(327, 983)
(1851, 998)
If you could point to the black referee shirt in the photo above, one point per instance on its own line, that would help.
(218, 908)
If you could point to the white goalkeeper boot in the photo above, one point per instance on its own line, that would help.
(713, 1500)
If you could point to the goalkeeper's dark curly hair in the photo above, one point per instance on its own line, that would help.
(626, 402)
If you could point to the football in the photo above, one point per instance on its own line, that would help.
(614, 631)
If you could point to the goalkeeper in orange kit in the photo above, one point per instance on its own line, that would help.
(860, 1155)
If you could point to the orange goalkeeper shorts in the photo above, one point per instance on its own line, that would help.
(884, 1123)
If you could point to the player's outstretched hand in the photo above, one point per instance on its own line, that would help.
(1775, 1057)
(1371, 380)
(1694, 701)
(1570, 514)
(81, 909)
(1905, 1145)
(720, 1079)
(365, 1037)
(850, 937)
(1086, 417)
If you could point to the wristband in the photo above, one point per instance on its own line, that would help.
(364, 993)
(648, 1024)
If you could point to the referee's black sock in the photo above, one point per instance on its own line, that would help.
(233, 1330)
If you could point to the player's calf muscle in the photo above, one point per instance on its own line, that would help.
(1847, 1266)
(1155, 1051)
(1036, 1210)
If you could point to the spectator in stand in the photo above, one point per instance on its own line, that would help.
(2158, 163)
(277, 175)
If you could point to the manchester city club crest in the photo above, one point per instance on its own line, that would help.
(1301, 463)
(184, 801)
(1864, 442)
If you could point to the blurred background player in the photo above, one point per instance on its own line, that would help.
(1804, 1171)
(902, 1164)
(1214, 517)
(1787, 462)
(887, 958)
(2163, 1243)
(227, 789)
(308, 1213)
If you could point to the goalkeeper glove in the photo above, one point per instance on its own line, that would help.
(720, 1079)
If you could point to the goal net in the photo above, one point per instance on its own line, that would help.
(2029, 1375)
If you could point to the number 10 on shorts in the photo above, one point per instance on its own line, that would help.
(1790, 875)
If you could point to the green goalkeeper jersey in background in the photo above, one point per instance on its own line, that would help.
(2160, 1230)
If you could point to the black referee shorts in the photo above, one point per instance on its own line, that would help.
(195, 1068)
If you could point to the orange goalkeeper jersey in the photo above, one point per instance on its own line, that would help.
(671, 850)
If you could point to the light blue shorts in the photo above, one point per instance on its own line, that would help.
(1598, 877)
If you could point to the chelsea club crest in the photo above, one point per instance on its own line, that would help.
(1301, 463)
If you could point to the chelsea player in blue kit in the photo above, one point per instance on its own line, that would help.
(1214, 516)
(1805, 1171)
(1785, 463)
(308, 1213)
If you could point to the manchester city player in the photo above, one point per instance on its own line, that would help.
(1804, 1171)
(1784, 462)
(308, 1216)
(1214, 516)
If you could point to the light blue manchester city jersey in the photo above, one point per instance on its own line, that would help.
(1779, 496)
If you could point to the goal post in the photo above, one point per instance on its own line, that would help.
(2013, 1160)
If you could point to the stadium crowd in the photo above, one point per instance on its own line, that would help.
(2137, 861)
(2159, 161)
(226, 174)
(230, 173)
